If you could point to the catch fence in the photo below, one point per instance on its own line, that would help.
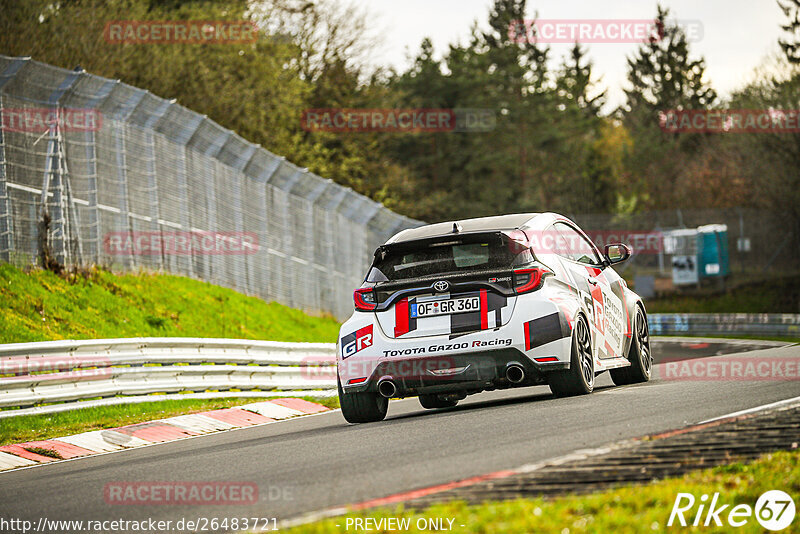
(94, 171)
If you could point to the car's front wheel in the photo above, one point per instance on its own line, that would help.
(579, 378)
(640, 355)
(362, 407)
(434, 401)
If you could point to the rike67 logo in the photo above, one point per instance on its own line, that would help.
(358, 340)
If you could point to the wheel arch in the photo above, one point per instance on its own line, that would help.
(581, 313)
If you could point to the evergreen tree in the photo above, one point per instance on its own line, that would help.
(575, 83)
(663, 76)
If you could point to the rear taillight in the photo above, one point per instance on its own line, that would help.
(527, 280)
(364, 299)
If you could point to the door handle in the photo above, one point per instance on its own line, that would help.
(592, 281)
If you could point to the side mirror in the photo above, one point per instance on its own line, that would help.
(617, 253)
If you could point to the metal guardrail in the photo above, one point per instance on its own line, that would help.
(63, 371)
(736, 324)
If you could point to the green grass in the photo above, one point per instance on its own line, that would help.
(41, 305)
(628, 509)
(37, 427)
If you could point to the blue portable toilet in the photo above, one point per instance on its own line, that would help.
(712, 251)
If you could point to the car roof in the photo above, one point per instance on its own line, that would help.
(481, 224)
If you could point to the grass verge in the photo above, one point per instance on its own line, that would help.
(45, 426)
(626, 509)
(780, 294)
(40, 305)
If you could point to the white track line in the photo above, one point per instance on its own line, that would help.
(751, 410)
(328, 513)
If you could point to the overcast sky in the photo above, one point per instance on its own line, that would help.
(737, 35)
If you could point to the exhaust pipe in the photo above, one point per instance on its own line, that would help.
(387, 388)
(515, 373)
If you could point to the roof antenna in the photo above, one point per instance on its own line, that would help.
(456, 228)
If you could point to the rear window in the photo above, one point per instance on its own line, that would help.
(448, 257)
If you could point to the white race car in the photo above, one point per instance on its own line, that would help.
(456, 308)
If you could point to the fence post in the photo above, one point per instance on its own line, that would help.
(208, 181)
(245, 283)
(90, 151)
(290, 235)
(6, 243)
(150, 171)
(120, 145)
(6, 220)
(319, 270)
(341, 297)
(266, 176)
(182, 176)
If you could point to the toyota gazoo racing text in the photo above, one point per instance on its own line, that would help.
(456, 308)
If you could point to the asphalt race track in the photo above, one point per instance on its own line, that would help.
(316, 462)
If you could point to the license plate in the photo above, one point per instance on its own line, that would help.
(445, 307)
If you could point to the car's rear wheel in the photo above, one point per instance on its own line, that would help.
(362, 407)
(640, 355)
(434, 401)
(579, 378)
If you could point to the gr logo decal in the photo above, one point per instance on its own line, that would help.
(357, 341)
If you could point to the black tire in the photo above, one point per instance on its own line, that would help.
(579, 378)
(433, 401)
(640, 355)
(362, 407)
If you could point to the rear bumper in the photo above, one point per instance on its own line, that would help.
(455, 373)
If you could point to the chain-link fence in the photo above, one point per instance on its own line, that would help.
(760, 243)
(96, 171)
